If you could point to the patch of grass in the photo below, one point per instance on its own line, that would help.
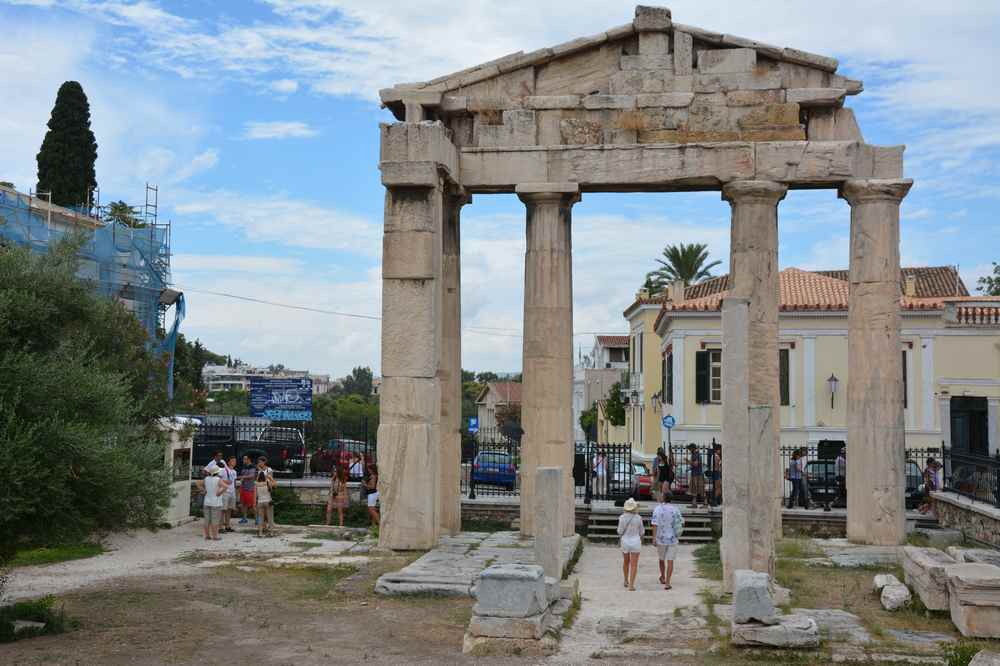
(484, 525)
(35, 610)
(796, 548)
(574, 609)
(917, 539)
(573, 559)
(962, 652)
(708, 561)
(58, 553)
(321, 581)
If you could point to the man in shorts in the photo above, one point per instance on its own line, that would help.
(248, 474)
(668, 524)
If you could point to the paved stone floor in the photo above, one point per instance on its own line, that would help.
(452, 567)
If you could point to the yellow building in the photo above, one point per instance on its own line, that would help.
(950, 344)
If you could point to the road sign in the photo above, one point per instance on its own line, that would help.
(473, 424)
(669, 421)
(284, 399)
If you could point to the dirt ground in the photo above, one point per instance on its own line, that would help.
(306, 615)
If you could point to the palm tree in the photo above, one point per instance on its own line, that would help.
(681, 262)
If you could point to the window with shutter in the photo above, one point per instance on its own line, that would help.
(670, 379)
(905, 406)
(701, 371)
(783, 376)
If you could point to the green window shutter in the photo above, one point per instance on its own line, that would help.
(783, 376)
(701, 376)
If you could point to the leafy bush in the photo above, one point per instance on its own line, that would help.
(79, 400)
(35, 610)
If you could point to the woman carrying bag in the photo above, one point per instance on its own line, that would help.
(630, 529)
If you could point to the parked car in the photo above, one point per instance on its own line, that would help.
(339, 452)
(822, 478)
(495, 468)
(642, 481)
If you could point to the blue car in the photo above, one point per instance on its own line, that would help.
(494, 468)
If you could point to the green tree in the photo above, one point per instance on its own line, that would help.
(69, 150)
(359, 382)
(990, 284)
(681, 262)
(231, 402)
(122, 213)
(588, 420)
(79, 403)
(613, 407)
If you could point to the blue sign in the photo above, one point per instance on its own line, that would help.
(473, 424)
(281, 399)
(669, 421)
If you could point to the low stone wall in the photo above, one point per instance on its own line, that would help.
(977, 521)
(509, 512)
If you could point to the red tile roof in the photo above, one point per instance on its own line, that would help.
(505, 391)
(612, 340)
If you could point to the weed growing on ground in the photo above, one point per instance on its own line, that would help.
(35, 610)
(574, 609)
(57, 553)
(962, 652)
(797, 548)
(321, 580)
(708, 561)
(573, 559)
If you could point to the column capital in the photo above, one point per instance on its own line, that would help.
(754, 191)
(568, 193)
(863, 190)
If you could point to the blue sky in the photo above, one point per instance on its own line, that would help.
(259, 122)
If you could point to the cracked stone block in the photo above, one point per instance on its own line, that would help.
(881, 580)
(895, 596)
(727, 61)
(924, 570)
(511, 590)
(752, 598)
(792, 631)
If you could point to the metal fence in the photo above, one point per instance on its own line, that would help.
(330, 445)
(282, 444)
(972, 475)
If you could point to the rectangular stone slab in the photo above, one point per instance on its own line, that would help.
(924, 570)
(974, 583)
(511, 590)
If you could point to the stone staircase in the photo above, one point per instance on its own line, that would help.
(603, 525)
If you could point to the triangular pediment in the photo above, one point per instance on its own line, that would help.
(648, 81)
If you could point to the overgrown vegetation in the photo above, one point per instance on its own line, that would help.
(573, 559)
(80, 397)
(58, 553)
(570, 617)
(35, 610)
(289, 510)
(484, 525)
(797, 548)
(708, 561)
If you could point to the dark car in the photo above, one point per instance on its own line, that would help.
(822, 478)
(495, 468)
(340, 452)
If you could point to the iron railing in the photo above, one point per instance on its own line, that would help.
(975, 476)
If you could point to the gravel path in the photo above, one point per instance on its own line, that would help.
(162, 553)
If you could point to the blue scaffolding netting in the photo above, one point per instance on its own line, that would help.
(126, 262)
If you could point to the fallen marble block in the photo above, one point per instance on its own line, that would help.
(983, 555)
(531, 627)
(881, 580)
(752, 598)
(924, 571)
(791, 631)
(511, 590)
(974, 599)
(895, 596)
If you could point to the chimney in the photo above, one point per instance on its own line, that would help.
(641, 294)
(676, 291)
(910, 286)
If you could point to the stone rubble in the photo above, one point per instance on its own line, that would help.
(792, 631)
(881, 580)
(924, 571)
(974, 598)
(895, 596)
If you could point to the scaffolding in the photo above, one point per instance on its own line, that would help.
(125, 253)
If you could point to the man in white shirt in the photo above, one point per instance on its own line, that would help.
(228, 474)
(668, 524)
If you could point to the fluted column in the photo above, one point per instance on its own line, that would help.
(876, 477)
(547, 394)
(450, 372)
(750, 394)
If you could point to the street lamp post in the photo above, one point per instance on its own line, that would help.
(832, 384)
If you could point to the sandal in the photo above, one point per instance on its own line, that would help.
(631, 589)
(668, 587)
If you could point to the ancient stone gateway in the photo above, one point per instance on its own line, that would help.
(652, 105)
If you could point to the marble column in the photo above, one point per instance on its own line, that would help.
(410, 419)
(876, 481)
(547, 394)
(751, 481)
(450, 371)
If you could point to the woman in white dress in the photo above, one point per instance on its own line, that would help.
(631, 530)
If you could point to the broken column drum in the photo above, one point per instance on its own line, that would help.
(651, 105)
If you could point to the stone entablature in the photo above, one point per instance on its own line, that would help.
(651, 81)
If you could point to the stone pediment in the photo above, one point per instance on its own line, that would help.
(651, 81)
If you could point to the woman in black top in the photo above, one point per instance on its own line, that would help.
(664, 473)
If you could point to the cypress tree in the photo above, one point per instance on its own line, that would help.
(69, 150)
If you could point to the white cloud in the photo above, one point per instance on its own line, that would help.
(201, 162)
(214, 263)
(282, 219)
(277, 130)
(286, 86)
